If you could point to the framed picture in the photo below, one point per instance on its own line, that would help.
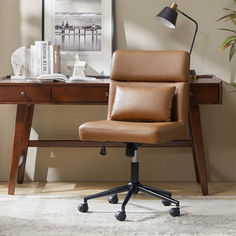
(81, 27)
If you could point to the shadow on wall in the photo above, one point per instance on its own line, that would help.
(119, 28)
(33, 24)
(136, 28)
(10, 39)
(233, 70)
(20, 26)
(219, 132)
(31, 21)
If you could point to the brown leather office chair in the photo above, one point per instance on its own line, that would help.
(148, 103)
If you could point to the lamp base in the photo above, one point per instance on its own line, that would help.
(192, 72)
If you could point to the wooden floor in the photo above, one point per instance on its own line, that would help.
(84, 188)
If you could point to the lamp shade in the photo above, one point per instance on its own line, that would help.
(167, 17)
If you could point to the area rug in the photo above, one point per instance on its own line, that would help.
(58, 215)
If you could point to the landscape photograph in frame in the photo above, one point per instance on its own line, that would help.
(83, 28)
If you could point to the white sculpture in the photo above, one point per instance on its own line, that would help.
(79, 67)
(18, 62)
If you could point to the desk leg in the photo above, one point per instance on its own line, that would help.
(194, 154)
(17, 145)
(199, 157)
(25, 143)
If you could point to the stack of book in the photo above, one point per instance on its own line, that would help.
(42, 58)
(42, 62)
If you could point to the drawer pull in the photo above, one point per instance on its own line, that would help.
(107, 94)
(23, 94)
(191, 94)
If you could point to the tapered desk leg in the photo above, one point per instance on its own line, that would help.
(194, 155)
(25, 143)
(196, 130)
(17, 145)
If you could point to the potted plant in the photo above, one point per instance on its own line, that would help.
(230, 41)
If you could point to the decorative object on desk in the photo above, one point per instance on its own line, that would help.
(79, 67)
(84, 27)
(42, 58)
(230, 40)
(79, 70)
(18, 63)
(168, 17)
(45, 58)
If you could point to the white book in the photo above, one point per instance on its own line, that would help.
(38, 58)
(32, 63)
(27, 62)
(51, 59)
(63, 78)
(36, 66)
(44, 58)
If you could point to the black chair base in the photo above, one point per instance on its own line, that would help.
(133, 188)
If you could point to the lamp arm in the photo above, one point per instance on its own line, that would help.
(196, 29)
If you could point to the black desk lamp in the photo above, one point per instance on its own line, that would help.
(168, 17)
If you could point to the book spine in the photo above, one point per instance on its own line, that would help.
(51, 59)
(57, 59)
(38, 58)
(35, 66)
(32, 51)
(27, 62)
(44, 58)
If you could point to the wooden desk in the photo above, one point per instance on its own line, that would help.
(27, 94)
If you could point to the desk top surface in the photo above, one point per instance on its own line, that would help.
(24, 82)
(206, 80)
(202, 91)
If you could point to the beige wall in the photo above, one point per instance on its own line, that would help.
(20, 24)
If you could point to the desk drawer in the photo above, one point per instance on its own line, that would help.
(204, 95)
(80, 94)
(24, 94)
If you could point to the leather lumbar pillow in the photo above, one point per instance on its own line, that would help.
(142, 103)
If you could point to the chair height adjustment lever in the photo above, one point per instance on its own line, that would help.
(103, 151)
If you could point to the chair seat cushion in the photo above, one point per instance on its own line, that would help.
(142, 103)
(138, 132)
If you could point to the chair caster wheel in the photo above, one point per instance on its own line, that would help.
(120, 215)
(174, 212)
(83, 207)
(113, 199)
(166, 203)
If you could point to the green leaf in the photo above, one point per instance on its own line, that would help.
(232, 51)
(233, 84)
(234, 31)
(227, 9)
(226, 16)
(233, 20)
(228, 40)
(222, 48)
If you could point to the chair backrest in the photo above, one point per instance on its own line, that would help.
(150, 66)
(152, 69)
